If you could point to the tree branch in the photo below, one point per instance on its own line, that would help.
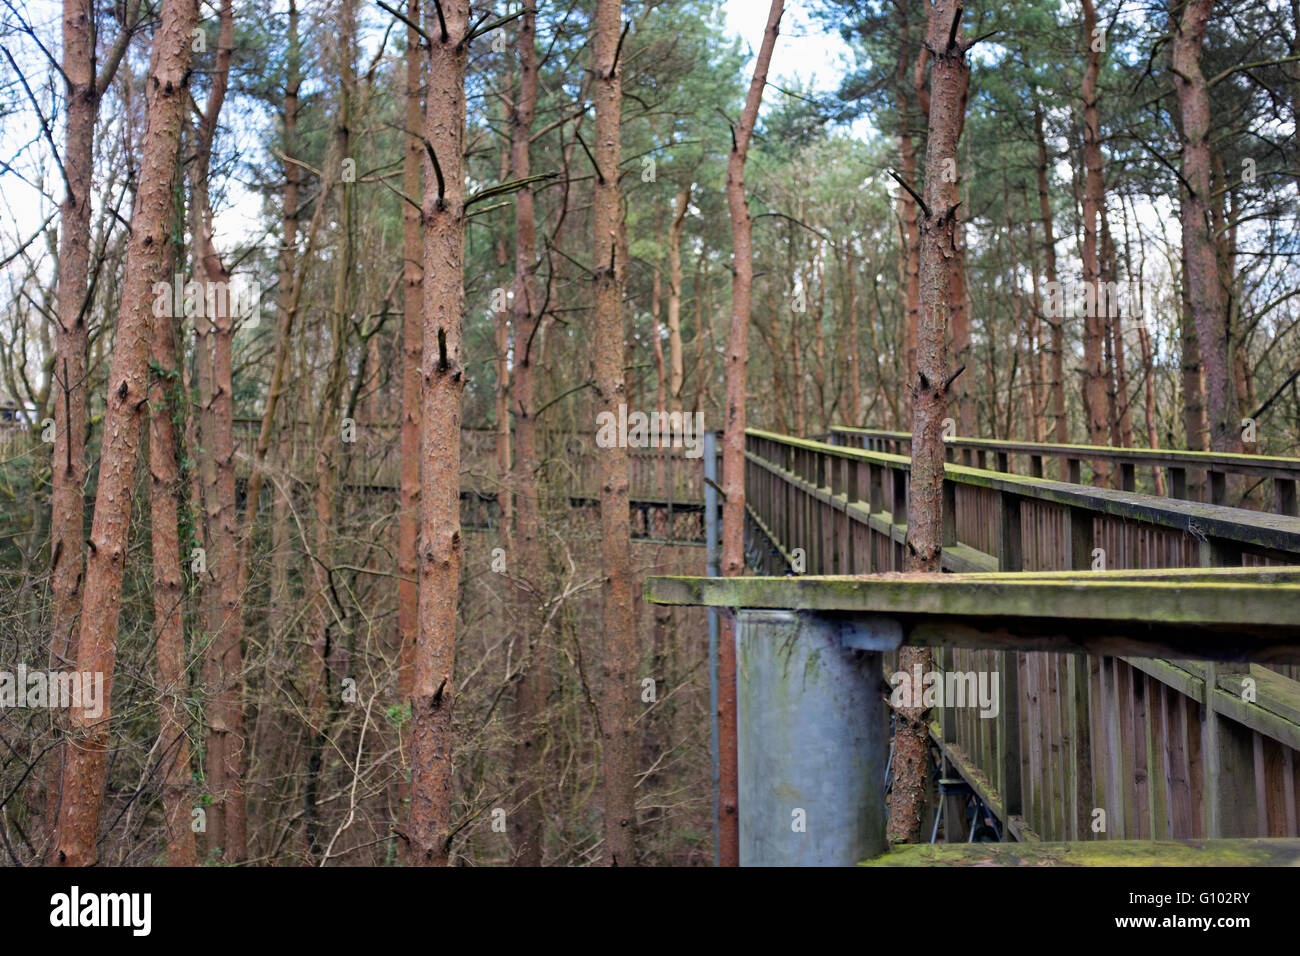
(410, 23)
(912, 192)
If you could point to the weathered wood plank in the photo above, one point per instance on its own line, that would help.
(1266, 465)
(1249, 852)
(1237, 603)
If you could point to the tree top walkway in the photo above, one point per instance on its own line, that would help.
(1143, 649)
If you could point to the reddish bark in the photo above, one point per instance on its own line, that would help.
(733, 443)
(617, 712)
(1056, 384)
(440, 547)
(321, 705)
(949, 80)
(534, 686)
(225, 742)
(851, 352)
(84, 770)
(1094, 325)
(676, 361)
(168, 587)
(83, 90)
(1202, 268)
(1121, 425)
(408, 522)
(71, 339)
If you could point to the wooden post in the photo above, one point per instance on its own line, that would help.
(1218, 487)
(1284, 497)
(1010, 550)
(1080, 530)
(1010, 558)
(949, 513)
(1178, 483)
(1074, 471)
(1210, 769)
(1079, 558)
(1128, 476)
(899, 514)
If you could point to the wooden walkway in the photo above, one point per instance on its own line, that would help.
(1174, 747)
(666, 487)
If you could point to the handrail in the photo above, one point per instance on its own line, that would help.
(1266, 465)
(1283, 472)
(1204, 521)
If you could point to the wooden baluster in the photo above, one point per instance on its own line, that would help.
(1128, 476)
(898, 479)
(1218, 487)
(1284, 496)
(1010, 558)
(1178, 483)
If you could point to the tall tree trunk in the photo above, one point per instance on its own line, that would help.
(1036, 350)
(408, 593)
(321, 702)
(527, 825)
(795, 349)
(225, 742)
(1122, 428)
(617, 716)
(1196, 427)
(733, 443)
(819, 344)
(1203, 276)
(949, 79)
(703, 328)
(961, 342)
(87, 756)
(1060, 427)
(440, 547)
(851, 353)
(289, 285)
(1094, 370)
(505, 501)
(83, 90)
(286, 306)
(676, 361)
(71, 340)
(168, 585)
(1149, 395)
(911, 233)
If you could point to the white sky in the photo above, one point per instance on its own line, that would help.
(803, 49)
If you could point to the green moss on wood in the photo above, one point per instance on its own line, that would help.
(1099, 853)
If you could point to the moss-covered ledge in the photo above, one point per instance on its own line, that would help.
(1244, 615)
(1246, 852)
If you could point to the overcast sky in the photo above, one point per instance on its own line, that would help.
(805, 54)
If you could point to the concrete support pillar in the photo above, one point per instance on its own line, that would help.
(814, 736)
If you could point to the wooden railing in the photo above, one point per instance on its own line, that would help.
(1208, 471)
(373, 460)
(1095, 751)
(829, 509)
